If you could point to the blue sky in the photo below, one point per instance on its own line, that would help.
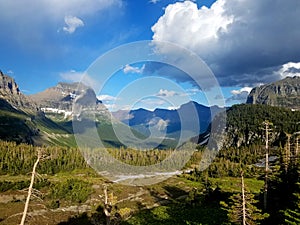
(244, 42)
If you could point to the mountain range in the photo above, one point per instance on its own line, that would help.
(188, 120)
(47, 117)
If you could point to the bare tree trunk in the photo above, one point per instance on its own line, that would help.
(288, 152)
(107, 207)
(243, 199)
(297, 149)
(266, 165)
(30, 189)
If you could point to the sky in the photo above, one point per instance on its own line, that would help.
(244, 43)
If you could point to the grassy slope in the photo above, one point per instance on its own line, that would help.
(165, 201)
(30, 127)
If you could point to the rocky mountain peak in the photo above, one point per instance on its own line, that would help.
(60, 98)
(8, 85)
(283, 93)
(10, 92)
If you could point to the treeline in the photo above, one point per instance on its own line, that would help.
(244, 143)
(247, 118)
(18, 159)
(230, 161)
(120, 161)
(245, 124)
(139, 157)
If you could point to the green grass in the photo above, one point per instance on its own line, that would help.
(233, 184)
(67, 140)
(14, 178)
(20, 127)
(174, 210)
(49, 126)
(14, 126)
(208, 214)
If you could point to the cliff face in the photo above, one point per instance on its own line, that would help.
(10, 92)
(283, 93)
(8, 85)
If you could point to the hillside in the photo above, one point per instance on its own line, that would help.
(283, 93)
(21, 120)
(76, 108)
(277, 102)
(244, 125)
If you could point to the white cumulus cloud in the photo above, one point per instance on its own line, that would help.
(185, 24)
(72, 75)
(172, 107)
(107, 98)
(166, 93)
(72, 23)
(31, 24)
(290, 69)
(131, 69)
(242, 41)
(239, 96)
(242, 90)
(158, 123)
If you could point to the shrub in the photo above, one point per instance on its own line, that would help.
(73, 190)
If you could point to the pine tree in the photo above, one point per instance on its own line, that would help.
(242, 209)
(292, 216)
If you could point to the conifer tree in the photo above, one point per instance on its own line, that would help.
(242, 209)
(292, 216)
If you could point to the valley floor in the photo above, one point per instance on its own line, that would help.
(140, 205)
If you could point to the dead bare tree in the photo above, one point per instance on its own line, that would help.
(267, 130)
(109, 209)
(243, 199)
(40, 157)
(107, 206)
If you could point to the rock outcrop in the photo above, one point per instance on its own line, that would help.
(10, 92)
(283, 93)
(8, 85)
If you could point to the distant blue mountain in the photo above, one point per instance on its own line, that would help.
(189, 120)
